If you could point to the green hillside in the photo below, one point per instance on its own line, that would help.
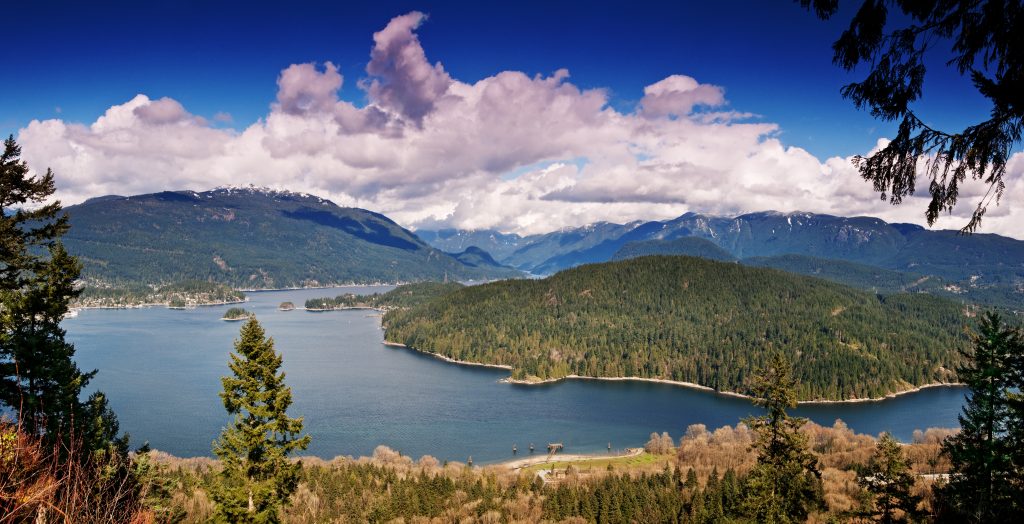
(250, 238)
(693, 320)
(473, 256)
(880, 280)
(404, 296)
(852, 274)
(688, 246)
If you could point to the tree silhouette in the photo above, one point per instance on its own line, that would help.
(986, 44)
(38, 375)
(983, 478)
(785, 485)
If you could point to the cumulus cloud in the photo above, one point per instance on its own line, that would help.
(164, 111)
(402, 78)
(513, 151)
(677, 95)
(302, 89)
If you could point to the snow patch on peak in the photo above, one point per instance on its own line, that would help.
(253, 189)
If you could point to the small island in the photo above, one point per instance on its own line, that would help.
(286, 306)
(235, 314)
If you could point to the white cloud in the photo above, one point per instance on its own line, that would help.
(677, 95)
(302, 89)
(403, 80)
(511, 151)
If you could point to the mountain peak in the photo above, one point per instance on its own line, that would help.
(251, 237)
(253, 189)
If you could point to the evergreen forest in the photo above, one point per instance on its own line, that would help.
(694, 320)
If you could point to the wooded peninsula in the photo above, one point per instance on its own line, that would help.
(691, 320)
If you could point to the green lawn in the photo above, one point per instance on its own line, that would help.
(643, 459)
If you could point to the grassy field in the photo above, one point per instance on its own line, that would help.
(642, 460)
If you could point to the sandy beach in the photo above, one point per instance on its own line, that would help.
(448, 359)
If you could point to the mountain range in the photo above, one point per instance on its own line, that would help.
(990, 265)
(253, 238)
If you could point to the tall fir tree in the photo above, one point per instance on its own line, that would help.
(1015, 433)
(38, 376)
(27, 222)
(785, 484)
(888, 479)
(982, 477)
(257, 476)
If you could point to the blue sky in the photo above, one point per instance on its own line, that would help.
(462, 114)
(771, 57)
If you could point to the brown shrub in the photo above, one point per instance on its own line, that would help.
(726, 447)
(62, 485)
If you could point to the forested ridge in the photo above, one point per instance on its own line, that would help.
(249, 238)
(879, 280)
(404, 296)
(687, 246)
(694, 320)
(984, 260)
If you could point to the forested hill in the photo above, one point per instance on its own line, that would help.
(473, 256)
(404, 296)
(688, 246)
(250, 238)
(861, 276)
(693, 320)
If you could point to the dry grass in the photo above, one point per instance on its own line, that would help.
(61, 486)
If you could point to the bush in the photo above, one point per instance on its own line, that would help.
(43, 485)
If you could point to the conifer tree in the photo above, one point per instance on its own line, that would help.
(1015, 433)
(982, 476)
(730, 492)
(889, 480)
(697, 511)
(38, 376)
(691, 479)
(24, 224)
(257, 477)
(785, 485)
(713, 498)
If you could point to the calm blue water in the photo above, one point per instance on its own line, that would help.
(161, 370)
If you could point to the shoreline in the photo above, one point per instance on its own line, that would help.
(375, 284)
(890, 396)
(346, 308)
(692, 385)
(167, 305)
(678, 383)
(269, 289)
(448, 359)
